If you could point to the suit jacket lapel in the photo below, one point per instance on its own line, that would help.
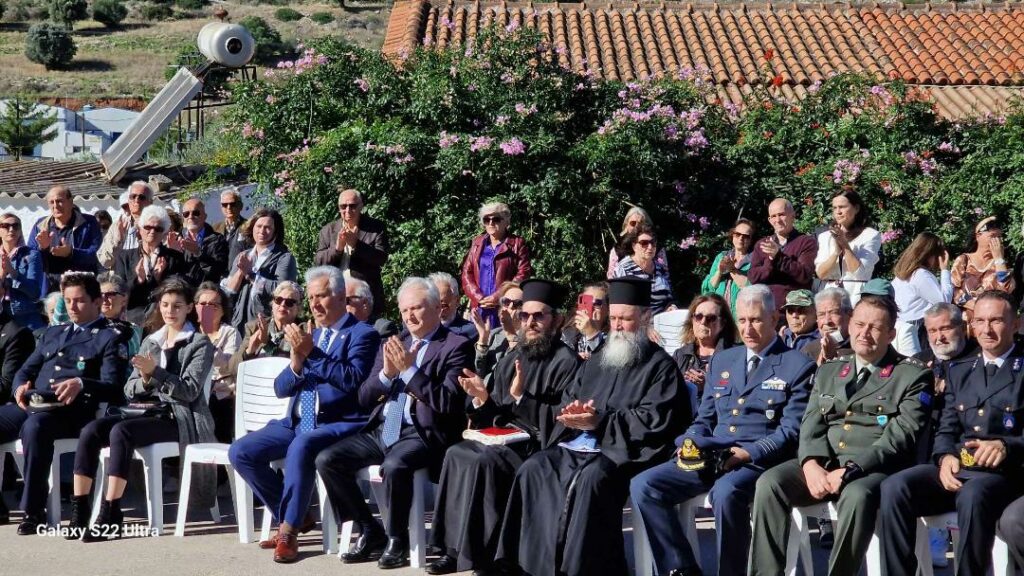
(1002, 378)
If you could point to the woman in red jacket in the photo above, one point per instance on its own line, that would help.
(494, 257)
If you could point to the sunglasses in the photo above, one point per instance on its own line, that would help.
(211, 303)
(138, 197)
(229, 204)
(709, 318)
(510, 303)
(191, 213)
(741, 235)
(633, 223)
(646, 243)
(354, 300)
(10, 226)
(152, 228)
(286, 302)
(527, 317)
(348, 206)
(492, 219)
(110, 294)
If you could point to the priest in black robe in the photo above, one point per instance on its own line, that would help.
(525, 392)
(564, 515)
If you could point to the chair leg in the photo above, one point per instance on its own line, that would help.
(417, 525)
(328, 525)
(873, 562)
(99, 488)
(155, 495)
(643, 564)
(243, 509)
(345, 540)
(267, 519)
(797, 553)
(183, 497)
(231, 487)
(53, 504)
(1002, 564)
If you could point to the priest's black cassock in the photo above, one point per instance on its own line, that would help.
(564, 514)
(476, 479)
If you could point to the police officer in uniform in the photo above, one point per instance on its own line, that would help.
(978, 449)
(861, 424)
(16, 343)
(73, 365)
(749, 418)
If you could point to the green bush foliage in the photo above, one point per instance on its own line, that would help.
(322, 17)
(269, 46)
(110, 13)
(431, 139)
(191, 4)
(287, 14)
(67, 12)
(156, 12)
(50, 45)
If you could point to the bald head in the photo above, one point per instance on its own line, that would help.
(781, 216)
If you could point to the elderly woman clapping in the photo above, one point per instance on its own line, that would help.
(496, 256)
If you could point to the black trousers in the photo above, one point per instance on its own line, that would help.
(123, 435)
(917, 492)
(1011, 528)
(11, 419)
(339, 464)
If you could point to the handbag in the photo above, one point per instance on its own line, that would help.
(147, 409)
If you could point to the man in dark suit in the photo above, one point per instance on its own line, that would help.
(327, 367)
(751, 413)
(232, 227)
(419, 411)
(355, 242)
(448, 290)
(205, 250)
(16, 343)
(74, 364)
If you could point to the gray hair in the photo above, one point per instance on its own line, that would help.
(635, 210)
(757, 294)
(233, 191)
(362, 289)
(154, 212)
(955, 315)
(416, 282)
(335, 278)
(146, 188)
(834, 293)
(51, 299)
(289, 285)
(112, 278)
(499, 208)
(446, 278)
(357, 193)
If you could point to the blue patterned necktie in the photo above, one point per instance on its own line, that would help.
(396, 411)
(307, 396)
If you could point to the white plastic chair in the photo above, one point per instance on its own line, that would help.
(152, 458)
(669, 326)
(642, 558)
(12, 449)
(255, 405)
(417, 526)
(1002, 563)
(799, 546)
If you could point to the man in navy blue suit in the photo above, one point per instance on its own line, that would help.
(751, 410)
(419, 411)
(326, 370)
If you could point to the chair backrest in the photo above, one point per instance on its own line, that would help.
(255, 400)
(669, 325)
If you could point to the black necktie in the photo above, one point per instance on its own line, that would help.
(754, 363)
(855, 386)
(990, 372)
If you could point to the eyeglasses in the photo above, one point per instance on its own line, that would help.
(10, 226)
(527, 317)
(646, 243)
(741, 235)
(633, 223)
(354, 300)
(348, 206)
(138, 197)
(108, 295)
(286, 302)
(492, 219)
(152, 228)
(598, 302)
(191, 213)
(210, 303)
(229, 204)
(709, 318)
(510, 303)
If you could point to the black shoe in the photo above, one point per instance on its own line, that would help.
(368, 547)
(396, 555)
(81, 509)
(108, 523)
(443, 565)
(30, 525)
(688, 572)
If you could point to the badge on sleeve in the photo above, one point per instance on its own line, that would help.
(769, 414)
(773, 384)
(725, 375)
(81, 363)
(882, 420)
(1009, 422)
(925, 398)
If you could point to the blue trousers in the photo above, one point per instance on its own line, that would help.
(656, 492)
(251, 455)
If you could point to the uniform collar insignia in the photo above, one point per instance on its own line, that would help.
(887, 371)
(1016, 362)
(845, 371)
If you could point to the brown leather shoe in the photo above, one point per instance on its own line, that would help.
(287, 550)
(269, 543)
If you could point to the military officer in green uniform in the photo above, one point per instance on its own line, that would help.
(862, 424)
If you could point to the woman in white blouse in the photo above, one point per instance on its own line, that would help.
(848, 250)
(917, 289)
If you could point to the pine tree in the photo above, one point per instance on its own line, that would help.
(23, 126)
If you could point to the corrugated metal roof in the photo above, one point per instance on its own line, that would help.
(33, 178)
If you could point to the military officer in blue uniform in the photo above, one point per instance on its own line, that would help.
(748, 421)
(60, 383)
(978, 454)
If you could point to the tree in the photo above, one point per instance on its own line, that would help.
(67, 12)
(50, 45)
(269, 46)
(23, 126)
(110, 13)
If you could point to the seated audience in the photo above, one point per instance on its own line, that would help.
(146, 266)
(983, 267)
(800, 328)
(492, 344)
(256, 272)
(639, 262)
(709, 329)
(728, 272)
(448, 288)
(212, 310)
(832, 310)
(589, 326)
(635, 216)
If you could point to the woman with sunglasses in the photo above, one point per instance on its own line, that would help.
(641, 262)
(21, 270)
(144, 268)
(635, 216)
(589, 327)
(983, 267)
(709, 328)
(265, 336)
(255, 273)
(493, 343)
(728, 272)
(495, 257)
(212, 307)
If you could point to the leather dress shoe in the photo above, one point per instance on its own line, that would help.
(368, 547)
(308, 524)
(396, 555)
(30, 525)
(443, 565)
(287, 549)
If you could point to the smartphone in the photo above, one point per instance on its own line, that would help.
(586, 302)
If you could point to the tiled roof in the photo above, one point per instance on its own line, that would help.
(969, 45)
(33, 178)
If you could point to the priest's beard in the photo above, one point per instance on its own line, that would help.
(538, 348)
(623, 349)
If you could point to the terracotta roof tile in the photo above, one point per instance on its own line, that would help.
(957, 47)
